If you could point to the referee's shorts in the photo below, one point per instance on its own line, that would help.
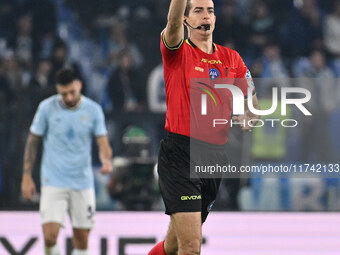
(181, 192)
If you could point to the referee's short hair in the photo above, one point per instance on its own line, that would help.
(65, 76)
(187, 8)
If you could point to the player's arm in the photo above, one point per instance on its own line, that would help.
(248, 115)
(27, 185)
(174, 30)
(105, 154)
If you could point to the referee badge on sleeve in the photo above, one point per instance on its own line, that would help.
(249, 80)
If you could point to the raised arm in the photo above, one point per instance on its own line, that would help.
(105, 154)
(174, 31)
(27, 185)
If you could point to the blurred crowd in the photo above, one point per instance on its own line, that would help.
(278, 40)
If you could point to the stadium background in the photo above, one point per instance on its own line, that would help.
(114, 45)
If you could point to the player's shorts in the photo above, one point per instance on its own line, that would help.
(181, 193)
(56, 202)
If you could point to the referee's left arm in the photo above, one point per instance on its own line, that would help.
(248, 117)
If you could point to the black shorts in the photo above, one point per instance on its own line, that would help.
(180, 192)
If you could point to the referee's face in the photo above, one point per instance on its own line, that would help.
(202, 13)
(70, 93)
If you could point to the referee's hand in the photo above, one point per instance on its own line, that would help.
(242, 121)
(28, 188)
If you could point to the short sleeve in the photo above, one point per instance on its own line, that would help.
(99, 128)
(169, 53)
(39, 123)
(244, 78)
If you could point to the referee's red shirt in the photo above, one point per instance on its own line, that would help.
(186, 61)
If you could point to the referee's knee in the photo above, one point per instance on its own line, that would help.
(170, 248)
(190, 247)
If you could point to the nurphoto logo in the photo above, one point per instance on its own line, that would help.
(238, 107)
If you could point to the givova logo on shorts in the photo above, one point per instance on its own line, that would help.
(191, 197)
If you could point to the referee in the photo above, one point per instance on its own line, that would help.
(189, 200)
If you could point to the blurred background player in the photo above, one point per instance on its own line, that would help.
(183, 59)
(66, 123)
